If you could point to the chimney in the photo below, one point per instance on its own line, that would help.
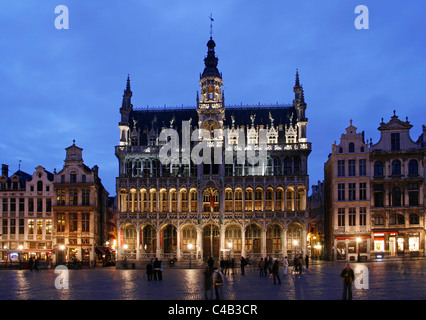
(5, 170)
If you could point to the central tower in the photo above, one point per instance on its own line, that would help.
(210, 105)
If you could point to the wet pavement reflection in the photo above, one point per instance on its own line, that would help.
(387, 280)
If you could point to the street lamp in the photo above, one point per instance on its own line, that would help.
(295, 243)
(190, 254)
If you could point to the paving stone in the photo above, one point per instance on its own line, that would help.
(388, 280)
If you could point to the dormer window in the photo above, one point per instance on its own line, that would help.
(73, 177)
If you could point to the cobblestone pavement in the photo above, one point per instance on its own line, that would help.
(388, 280)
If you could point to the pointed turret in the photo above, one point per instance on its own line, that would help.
(126, 108)
(300, 106)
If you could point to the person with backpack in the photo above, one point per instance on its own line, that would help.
(218, 282)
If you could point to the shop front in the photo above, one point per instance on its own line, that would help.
(352, 248)
(397, 243)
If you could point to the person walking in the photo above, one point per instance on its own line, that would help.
(285, 265)
(243, 264)
(307, 261)
(348, 277)
(160, 270)
(275, 272)
(226, 266)
(156, 266)
(261, 268)
(31, 264)
(218, 283)
(36, 263)
(208, 284)
(210, 263)
(233, 266)
(149, 270)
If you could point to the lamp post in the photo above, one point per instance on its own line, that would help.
(190, 254)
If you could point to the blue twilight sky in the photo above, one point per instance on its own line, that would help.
(60, 85)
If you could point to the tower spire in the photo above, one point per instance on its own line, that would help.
(297, 78)
(211, 26)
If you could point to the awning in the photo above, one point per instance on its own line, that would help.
(37, 250)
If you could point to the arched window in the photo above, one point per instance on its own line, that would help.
(130, 236)
(153, 200)
(413, 168)
(258, 199)
(132, 200)
(149, 239)
(273, 238)
(193, 199)
(300, 198)
(39, 185)
(169, 239)
(396, 167)
(294, 238)
(253, 238)
(290, 199)
(351, 147)
(238, 199)
(163, 201)
(173, 200)
(183, 200)
(396, 197)
(189, 236)
(144, 200)
(269, 199)
(279, 199)
(248, 201)
(228, 200)
(233, 238)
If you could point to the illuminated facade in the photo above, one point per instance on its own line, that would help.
(374, 194)
(80, 228)
(223, 207)
(397, 164)
(26, 215)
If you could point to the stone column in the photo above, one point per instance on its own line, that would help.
(138, 241)
(178, 246)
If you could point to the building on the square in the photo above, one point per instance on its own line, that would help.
(374, 194)
(317, 228)
(397, 166)
(26, 215)
(234, 208)
(80, 230)
(347, 197)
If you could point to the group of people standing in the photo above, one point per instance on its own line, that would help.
(154, 270)
(33, 264)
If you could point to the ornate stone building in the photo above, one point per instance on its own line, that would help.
(244, 196)
(347, 196)
(80, 211)
(26, 214)
(397, 164)
(374, 194)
